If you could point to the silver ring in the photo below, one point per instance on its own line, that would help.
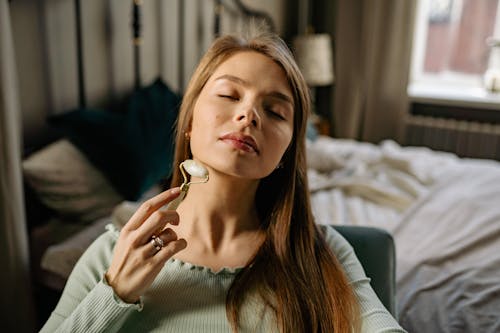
(157, 242)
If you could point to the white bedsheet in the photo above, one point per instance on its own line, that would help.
(444, 214)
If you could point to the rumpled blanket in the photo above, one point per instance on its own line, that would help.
(444, 214)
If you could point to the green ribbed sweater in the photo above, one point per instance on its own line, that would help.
(185, 297)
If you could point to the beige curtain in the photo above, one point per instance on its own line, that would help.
(372, 53)
(16, 304)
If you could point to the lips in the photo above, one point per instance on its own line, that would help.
(242, 141)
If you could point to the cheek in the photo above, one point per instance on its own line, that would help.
(281, 141)
(204, 122)
(206, 112)
(285, 136)
(203, 128)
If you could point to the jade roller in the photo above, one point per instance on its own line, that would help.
(194, 169)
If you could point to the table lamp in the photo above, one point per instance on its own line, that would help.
(314, 56)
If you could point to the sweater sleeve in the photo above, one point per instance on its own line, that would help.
(88, 303)
(374, 316)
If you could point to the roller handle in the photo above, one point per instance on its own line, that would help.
(172, 205)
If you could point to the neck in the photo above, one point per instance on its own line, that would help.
(219, 212)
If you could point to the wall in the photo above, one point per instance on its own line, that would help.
(45, 47)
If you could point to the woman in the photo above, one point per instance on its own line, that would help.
(242, 252)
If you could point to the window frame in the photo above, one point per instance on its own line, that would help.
(448, 87)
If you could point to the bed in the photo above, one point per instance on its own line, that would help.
(444, 214)
(443, 211)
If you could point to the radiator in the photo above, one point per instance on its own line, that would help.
(464, 138)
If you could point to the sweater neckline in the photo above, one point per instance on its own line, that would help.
(194, 267)
(187, 265)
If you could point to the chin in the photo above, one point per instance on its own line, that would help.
(241, 169)
(235, 163)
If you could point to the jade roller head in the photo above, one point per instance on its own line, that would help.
(194, 169)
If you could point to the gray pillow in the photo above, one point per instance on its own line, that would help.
(67, 182)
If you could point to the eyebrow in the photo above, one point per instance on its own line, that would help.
(275, 94)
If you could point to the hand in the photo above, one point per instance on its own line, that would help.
(136, 262)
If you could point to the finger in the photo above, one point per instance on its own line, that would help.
(151, 247)
(150, 206)
(156, 223)
(168, 235)
(169, 250)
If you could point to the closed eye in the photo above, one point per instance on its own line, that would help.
(275, 114)
(233, 98)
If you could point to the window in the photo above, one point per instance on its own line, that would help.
(455, 43)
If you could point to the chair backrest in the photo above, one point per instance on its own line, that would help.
(375, 250)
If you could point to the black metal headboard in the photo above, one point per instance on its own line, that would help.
(82, 100)
(137, 37)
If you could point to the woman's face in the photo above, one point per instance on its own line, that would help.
(243, 118)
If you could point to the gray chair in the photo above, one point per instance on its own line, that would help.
(376, 251)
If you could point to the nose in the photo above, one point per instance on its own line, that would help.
(248, 115)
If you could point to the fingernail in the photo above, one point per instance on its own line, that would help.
(175, 190)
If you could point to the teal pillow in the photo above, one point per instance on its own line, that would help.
(134, 149)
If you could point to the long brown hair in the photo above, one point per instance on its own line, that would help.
(294, 271)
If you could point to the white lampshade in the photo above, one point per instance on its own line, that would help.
(313, 53)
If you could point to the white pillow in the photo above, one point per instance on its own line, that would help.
(67, 182)
(60, 258)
